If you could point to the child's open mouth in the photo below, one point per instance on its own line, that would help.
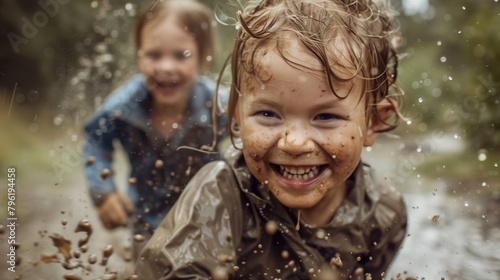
(299, 172)
(167, 84)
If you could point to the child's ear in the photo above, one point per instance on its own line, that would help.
(385, 110)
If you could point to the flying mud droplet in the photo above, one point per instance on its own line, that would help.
(71, 276)
(223, 258)
(139, 238)
(159, 163)
(108, 251)
(109, 276)
(90, 161)
(336, 262)
(359, 271)
(328, 273)
(220, 273)
(271, 227)
(132, 181)
(285, 254)
(105, 173)
(84, 226)
(320, 234)
(63, 245)
(92, 259)
(435, 218)
(77, 254)
(84, 248)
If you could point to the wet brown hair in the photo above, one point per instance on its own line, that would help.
(354, 34)
(195, 16)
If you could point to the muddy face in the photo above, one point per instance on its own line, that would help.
(299, 139)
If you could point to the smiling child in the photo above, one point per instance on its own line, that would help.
(166, 106)
(314, 81)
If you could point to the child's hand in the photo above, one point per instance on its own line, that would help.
(115, 209)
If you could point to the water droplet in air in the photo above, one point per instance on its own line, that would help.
(482, 156)
(187, 53)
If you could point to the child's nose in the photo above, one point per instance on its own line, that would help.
(166, 65)
(296, 141)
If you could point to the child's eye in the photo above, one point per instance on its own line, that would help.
(153, 55)
(183, 55)
(267, 114)
(328, 116)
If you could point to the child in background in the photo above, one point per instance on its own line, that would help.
(166, 106)
(313, 82)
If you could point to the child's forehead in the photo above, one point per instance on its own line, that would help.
(294, 69)
(288, 50)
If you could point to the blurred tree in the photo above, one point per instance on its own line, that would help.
(37, 46)
(68, 55)
(448, 71)
(482, 103)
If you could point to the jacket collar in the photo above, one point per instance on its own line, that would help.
(348, 219)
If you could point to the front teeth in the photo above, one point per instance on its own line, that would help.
(299, 173)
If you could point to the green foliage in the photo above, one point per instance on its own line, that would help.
(449, 75)
(68, 57)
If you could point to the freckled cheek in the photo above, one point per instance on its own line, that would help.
(258, 143)
(344, 155)
(254, 165)
(254, 151)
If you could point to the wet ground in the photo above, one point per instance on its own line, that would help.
(453, 229)
(450, 236)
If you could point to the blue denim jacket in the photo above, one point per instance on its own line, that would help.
(154, 188)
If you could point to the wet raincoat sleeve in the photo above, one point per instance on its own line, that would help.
(391, 213)
(97, 156)
(200, 233)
